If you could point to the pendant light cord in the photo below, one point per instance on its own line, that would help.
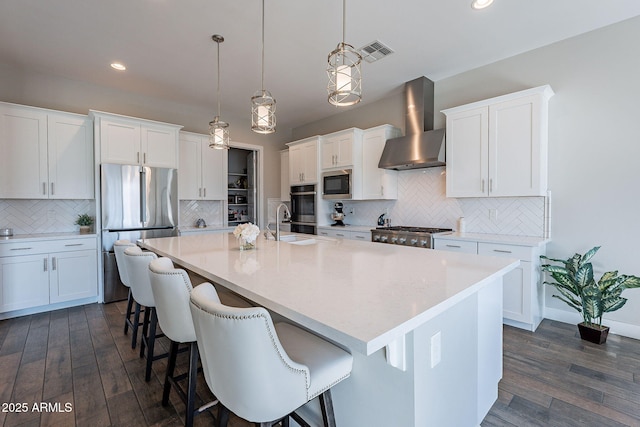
(218, 91)
(263, 45)
(344, 20)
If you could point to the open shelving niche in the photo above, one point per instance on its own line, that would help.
(238, 188)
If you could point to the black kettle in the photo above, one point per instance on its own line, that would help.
(381, 220)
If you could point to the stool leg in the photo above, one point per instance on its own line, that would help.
(193, 375)
(171, 366)
(144, 340)
(151, 342)
(134, 327)
(326, 404)
(223, 416)
(127, 318)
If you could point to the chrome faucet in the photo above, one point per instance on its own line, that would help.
(287, 214)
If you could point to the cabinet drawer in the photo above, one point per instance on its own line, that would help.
(364, 236)
(456, 246)
(23, 248)
(508, 251)
(73, 245)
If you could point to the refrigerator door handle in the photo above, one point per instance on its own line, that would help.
(143, 196)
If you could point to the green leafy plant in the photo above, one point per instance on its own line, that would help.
(574, 280)
(84, 220)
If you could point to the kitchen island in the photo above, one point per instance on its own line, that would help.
(424, 327)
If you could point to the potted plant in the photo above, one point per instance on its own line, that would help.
(85, 222)
(574, 280)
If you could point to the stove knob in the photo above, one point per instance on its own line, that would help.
(394, 240)
(376, 238)
(402, 240)
(383, 239)
(423, 243)
(414, 241)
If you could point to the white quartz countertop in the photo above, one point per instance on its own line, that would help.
(495, 238)
(359, 294)
(207, 229)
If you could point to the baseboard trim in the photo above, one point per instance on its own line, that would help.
(615, 327)
(48, 307)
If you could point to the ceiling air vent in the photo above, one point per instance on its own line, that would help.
(374, 51)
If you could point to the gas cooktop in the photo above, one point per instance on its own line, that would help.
(420, 237)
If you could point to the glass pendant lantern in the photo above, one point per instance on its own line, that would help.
(345, 79)
(218, 129)
(263, 105)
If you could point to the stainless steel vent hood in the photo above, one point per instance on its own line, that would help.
(421, 147)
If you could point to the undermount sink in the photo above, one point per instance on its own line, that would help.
(297, 240)
(303, 242)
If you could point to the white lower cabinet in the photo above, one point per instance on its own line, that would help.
(40, 273)
(523, 294)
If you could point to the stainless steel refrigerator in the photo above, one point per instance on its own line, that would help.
(136, 202)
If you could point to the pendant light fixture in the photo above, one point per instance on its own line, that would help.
(218, 130)
(345, 80)
(263, 105)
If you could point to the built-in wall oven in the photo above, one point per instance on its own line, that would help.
(303, 209)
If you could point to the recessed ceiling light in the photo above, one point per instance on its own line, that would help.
(481, 4)
(118, 66)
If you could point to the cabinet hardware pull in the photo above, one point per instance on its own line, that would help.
(144, 158)
(453, 246)
(359, 237)
(53, 191)
(204, 192)
(44, 188)
(199, 192)
(20, 249)
(490, 185)
(482, 187)
(137, 157)
(74, 244)
(339, 235)
(502, 251)
(53, 263)
(45, 265)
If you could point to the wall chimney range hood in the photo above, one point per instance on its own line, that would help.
(421, 147)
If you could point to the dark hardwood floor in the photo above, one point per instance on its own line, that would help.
(79, 362)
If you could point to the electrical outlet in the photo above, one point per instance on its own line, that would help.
(436, 349)
(352, 211)
(493, 214)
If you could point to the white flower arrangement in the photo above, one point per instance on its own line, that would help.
(248, 232)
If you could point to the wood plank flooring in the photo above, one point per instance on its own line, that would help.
(79, 361)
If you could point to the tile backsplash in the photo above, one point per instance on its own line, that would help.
(43, 216)
(422, 202)
(209, 210)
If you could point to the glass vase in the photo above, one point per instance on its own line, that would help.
(246, 245)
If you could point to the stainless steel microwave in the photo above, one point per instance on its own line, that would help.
(337, 184)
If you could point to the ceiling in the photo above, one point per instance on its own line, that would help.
(167, 47)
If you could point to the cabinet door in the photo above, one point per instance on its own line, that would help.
(71, 164)
(328, 154)
(295, 165)
(120, 142)
(189, 173)
(516, 293)
(310, 163)
(285, 186)
(24, 282)
(364, 236)
(462, 246)
(159, 147)
(515, 148)
(337, 151)
(23, 144)
(214, 172)
(467, 153)
(377, 183)
(73, 275)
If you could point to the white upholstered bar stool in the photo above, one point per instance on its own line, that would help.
(137, 263)
(260, 371)
(171, 290)
(119, 246)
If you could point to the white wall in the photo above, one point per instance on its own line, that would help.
(594, 146)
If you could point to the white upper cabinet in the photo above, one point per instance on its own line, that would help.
(132, 141)
(337, 149)
(203, 170)
(303, 161)
(285, 187)
(498, 147)
(46, 154)
(378, 183)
